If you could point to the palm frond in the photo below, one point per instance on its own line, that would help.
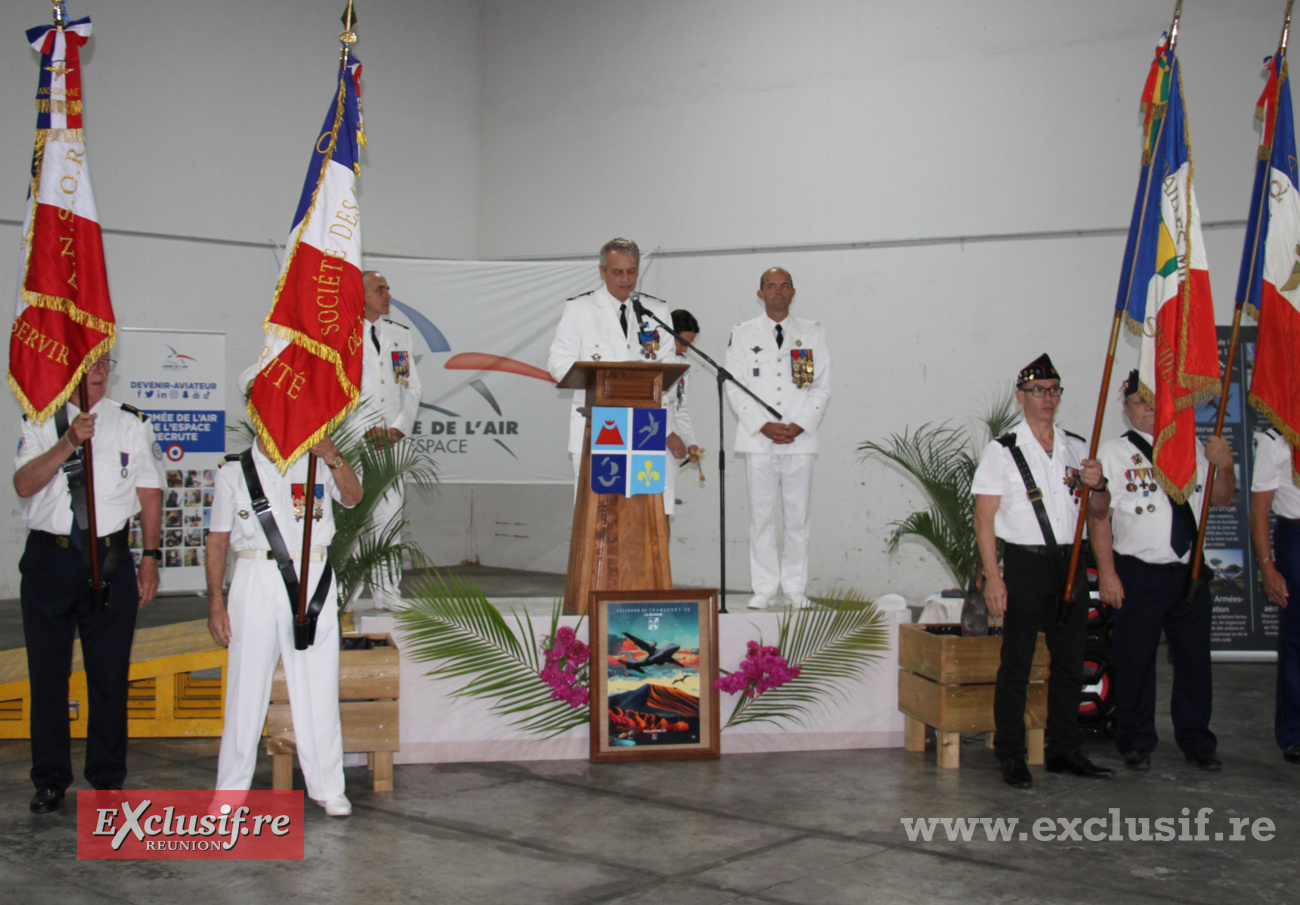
(832, 644)
(450, 624)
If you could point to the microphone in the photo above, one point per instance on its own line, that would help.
(637, 307)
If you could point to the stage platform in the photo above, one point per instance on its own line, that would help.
(437, 727)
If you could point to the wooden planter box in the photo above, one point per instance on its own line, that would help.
(946, 682)
(368, 695)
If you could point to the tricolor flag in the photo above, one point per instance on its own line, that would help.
(1270, 265)
(309, 373)
(64, 318)
(1165, 283)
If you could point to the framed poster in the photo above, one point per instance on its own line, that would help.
(654, 659)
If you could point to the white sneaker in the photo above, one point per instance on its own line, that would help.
(337, 807)
(760, 602)
(798, 601)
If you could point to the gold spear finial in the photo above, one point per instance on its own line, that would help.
(1173, 28)
(60, 13)
(349, 19)
(1286, 30)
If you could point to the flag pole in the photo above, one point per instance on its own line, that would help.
(98, 596)
(1270, 129)
(347, 38)
(1084, 494)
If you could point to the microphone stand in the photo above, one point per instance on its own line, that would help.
(723, 376)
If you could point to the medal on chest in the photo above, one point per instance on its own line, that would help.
(299, 502)
(401, 367)
(649, 340)
(126, 461)
(681, 391)
(1073, 480)
(801, 367)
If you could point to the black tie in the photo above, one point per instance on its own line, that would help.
(1182, 529)
(622, 318)
(780, 336)
(374, 337)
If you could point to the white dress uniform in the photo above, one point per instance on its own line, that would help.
(780, 475)
(589, 330)
(390, 397)
(1142, 513)
(685, 431)
(1057, 476)
(1272, 471)
(261, 629)
(126, 457)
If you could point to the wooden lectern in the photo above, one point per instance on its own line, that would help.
(618, 543)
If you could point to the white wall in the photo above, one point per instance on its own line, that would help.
(516, 127)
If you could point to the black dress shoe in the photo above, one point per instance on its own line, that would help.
(1291, 755)
(1015, 772)
(46, 799)
(1206, 760)
(1138, 760)
(1075, 762)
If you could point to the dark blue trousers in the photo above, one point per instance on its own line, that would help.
(1153, 600)
(1286, 549)
(56, 607)
(1035, 584)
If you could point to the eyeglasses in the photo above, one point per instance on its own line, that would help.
(106, 363)
(1040, 392)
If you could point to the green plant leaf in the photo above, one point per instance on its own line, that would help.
(832, 643)
(450, 624)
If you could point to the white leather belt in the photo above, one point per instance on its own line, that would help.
(317, 554)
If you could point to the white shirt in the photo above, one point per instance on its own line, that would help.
(754, 359)
(232, 506)
(127, 457)
(1141, 517)
(1273, 471)
(589, 330)
(390, 382)
(1057, 476)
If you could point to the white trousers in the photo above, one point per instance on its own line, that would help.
(261, 632)
(385, 585)
(784, 483)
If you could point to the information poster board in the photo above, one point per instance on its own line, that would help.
(177, 377)
(1244, 624)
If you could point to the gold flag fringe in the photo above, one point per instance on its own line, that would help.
(38, 416)
(68, 308)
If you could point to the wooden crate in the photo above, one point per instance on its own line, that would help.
(368, 700)
(946, 681)
(165, 699)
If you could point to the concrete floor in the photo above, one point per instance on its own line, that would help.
(816, 827)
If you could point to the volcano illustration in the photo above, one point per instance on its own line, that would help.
(609, 435)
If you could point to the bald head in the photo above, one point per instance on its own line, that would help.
(377, 296)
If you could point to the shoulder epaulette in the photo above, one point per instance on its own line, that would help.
(1272, 433)
(579, 295)
(131, 409)
(396, 324)
(1008, 440)
(228, 457)
(1074, 435)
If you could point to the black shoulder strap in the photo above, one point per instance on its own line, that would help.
(278, 547)
(75, 469)
(1035, 495)
(1181, 510)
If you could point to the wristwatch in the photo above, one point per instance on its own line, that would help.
(337, 463)
(156, 554)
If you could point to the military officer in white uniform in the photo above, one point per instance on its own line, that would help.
(1143, 555)
(258, 624)
(390, 401)
(55, 595)
(602, 325)
(1272, 487)
(786, 362)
